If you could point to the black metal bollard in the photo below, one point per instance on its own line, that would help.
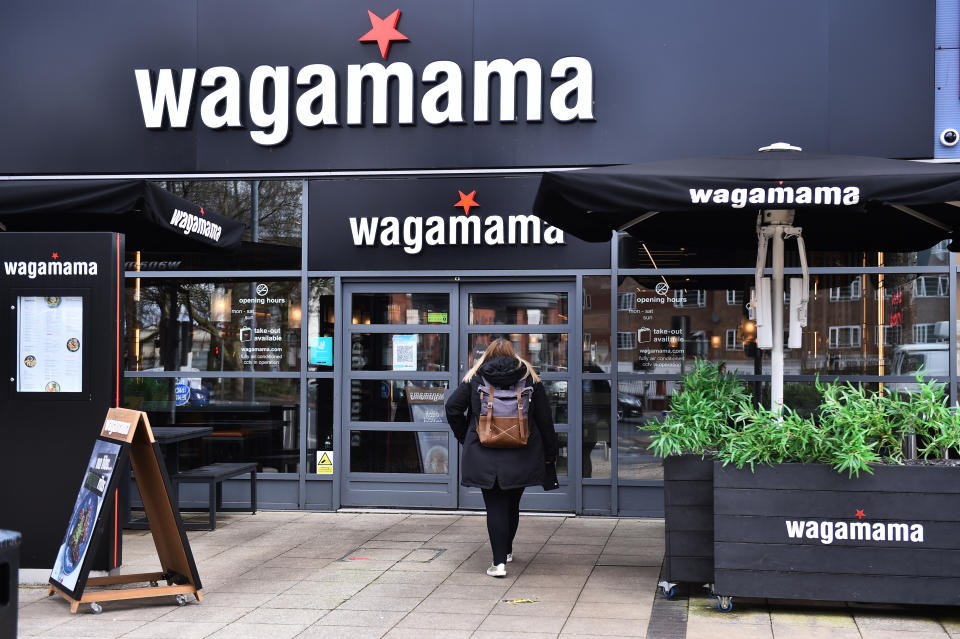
(9, 581)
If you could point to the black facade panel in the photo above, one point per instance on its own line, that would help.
(670, 80)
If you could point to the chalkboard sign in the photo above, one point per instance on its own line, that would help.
(72, 565)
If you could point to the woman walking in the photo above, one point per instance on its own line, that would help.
(502, 473)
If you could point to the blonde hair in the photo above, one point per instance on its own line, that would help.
(501, 348)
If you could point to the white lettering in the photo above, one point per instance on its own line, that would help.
(580, 86)
(166, 99)
(527, 227)
(324, 91)
(449, 90)
(277, 120)
(379, 76)
(507, 73)
(228, 93)
(413, 235)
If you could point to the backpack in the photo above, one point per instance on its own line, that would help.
(504, 412)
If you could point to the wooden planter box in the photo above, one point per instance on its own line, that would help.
(890, 537)
(688, 518)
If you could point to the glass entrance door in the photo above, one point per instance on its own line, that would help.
(536, 318)
(400, 359)
(404, 351)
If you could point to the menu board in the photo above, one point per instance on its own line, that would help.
(95, 488)
(49, 344)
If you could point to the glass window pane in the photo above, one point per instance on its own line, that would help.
(596, 428)
(320, 431)
(546, 351)
(373, 451)
(518, 308)
(396, 400)
(225, 325)
(271, 239)
(396, 352)
(320, 322)
(401, 308)
(867, 324)
(557, 394)
(634, 253)
(252, 419)
(563, 457)
(596, 323)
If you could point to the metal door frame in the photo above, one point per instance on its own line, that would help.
(568, 497)
(397, 489)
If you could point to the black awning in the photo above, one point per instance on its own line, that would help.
(151, 217)
(841, 202)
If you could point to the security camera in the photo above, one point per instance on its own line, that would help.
(949, 137)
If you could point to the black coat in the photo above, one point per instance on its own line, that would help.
(480, 466)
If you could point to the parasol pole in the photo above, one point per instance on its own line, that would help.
(776, 223)
(776, 321)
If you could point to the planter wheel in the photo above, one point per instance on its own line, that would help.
(724, 604)
(96, 608)
(181, 600)
(668, 588)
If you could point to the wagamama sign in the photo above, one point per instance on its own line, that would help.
(163, 100)
(415, 232)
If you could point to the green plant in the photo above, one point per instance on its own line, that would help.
(858, 428)
(853, 427)
(765, 437)
(925, 412)
(700, 413)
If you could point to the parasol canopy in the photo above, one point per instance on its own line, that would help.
(151, 217)
(842, 202)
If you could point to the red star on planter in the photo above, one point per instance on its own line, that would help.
(55, 255)
(384, 31)
(201, 211)
(860, 514)
(466, 201)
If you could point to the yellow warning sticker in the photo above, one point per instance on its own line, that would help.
(324, 462)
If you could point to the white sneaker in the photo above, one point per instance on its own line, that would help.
(497, 570)
(509, 557)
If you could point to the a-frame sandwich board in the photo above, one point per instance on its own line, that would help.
(125, 434)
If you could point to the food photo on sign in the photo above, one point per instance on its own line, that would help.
(80, 528)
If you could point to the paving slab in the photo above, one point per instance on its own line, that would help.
(406, 576)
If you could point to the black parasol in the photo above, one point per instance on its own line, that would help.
(729, 203)
(842, 202)
(151, 217)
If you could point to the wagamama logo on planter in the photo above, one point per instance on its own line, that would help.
(436, 230)
(828, 531)
(270, 111)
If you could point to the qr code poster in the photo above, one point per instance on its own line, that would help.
(404, 352)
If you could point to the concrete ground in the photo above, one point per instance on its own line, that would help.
(356, 575)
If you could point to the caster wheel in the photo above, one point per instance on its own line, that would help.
(724, 604)
(668, 588)
(181, 600)
(96, 608)
(154, 584)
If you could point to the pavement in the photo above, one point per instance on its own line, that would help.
(279, 575)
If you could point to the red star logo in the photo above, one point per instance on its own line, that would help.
(860, 514)
(466, 201)
(384, 31)
(201, 211)
(56, 255)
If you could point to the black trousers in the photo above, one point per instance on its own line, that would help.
(503, 518)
